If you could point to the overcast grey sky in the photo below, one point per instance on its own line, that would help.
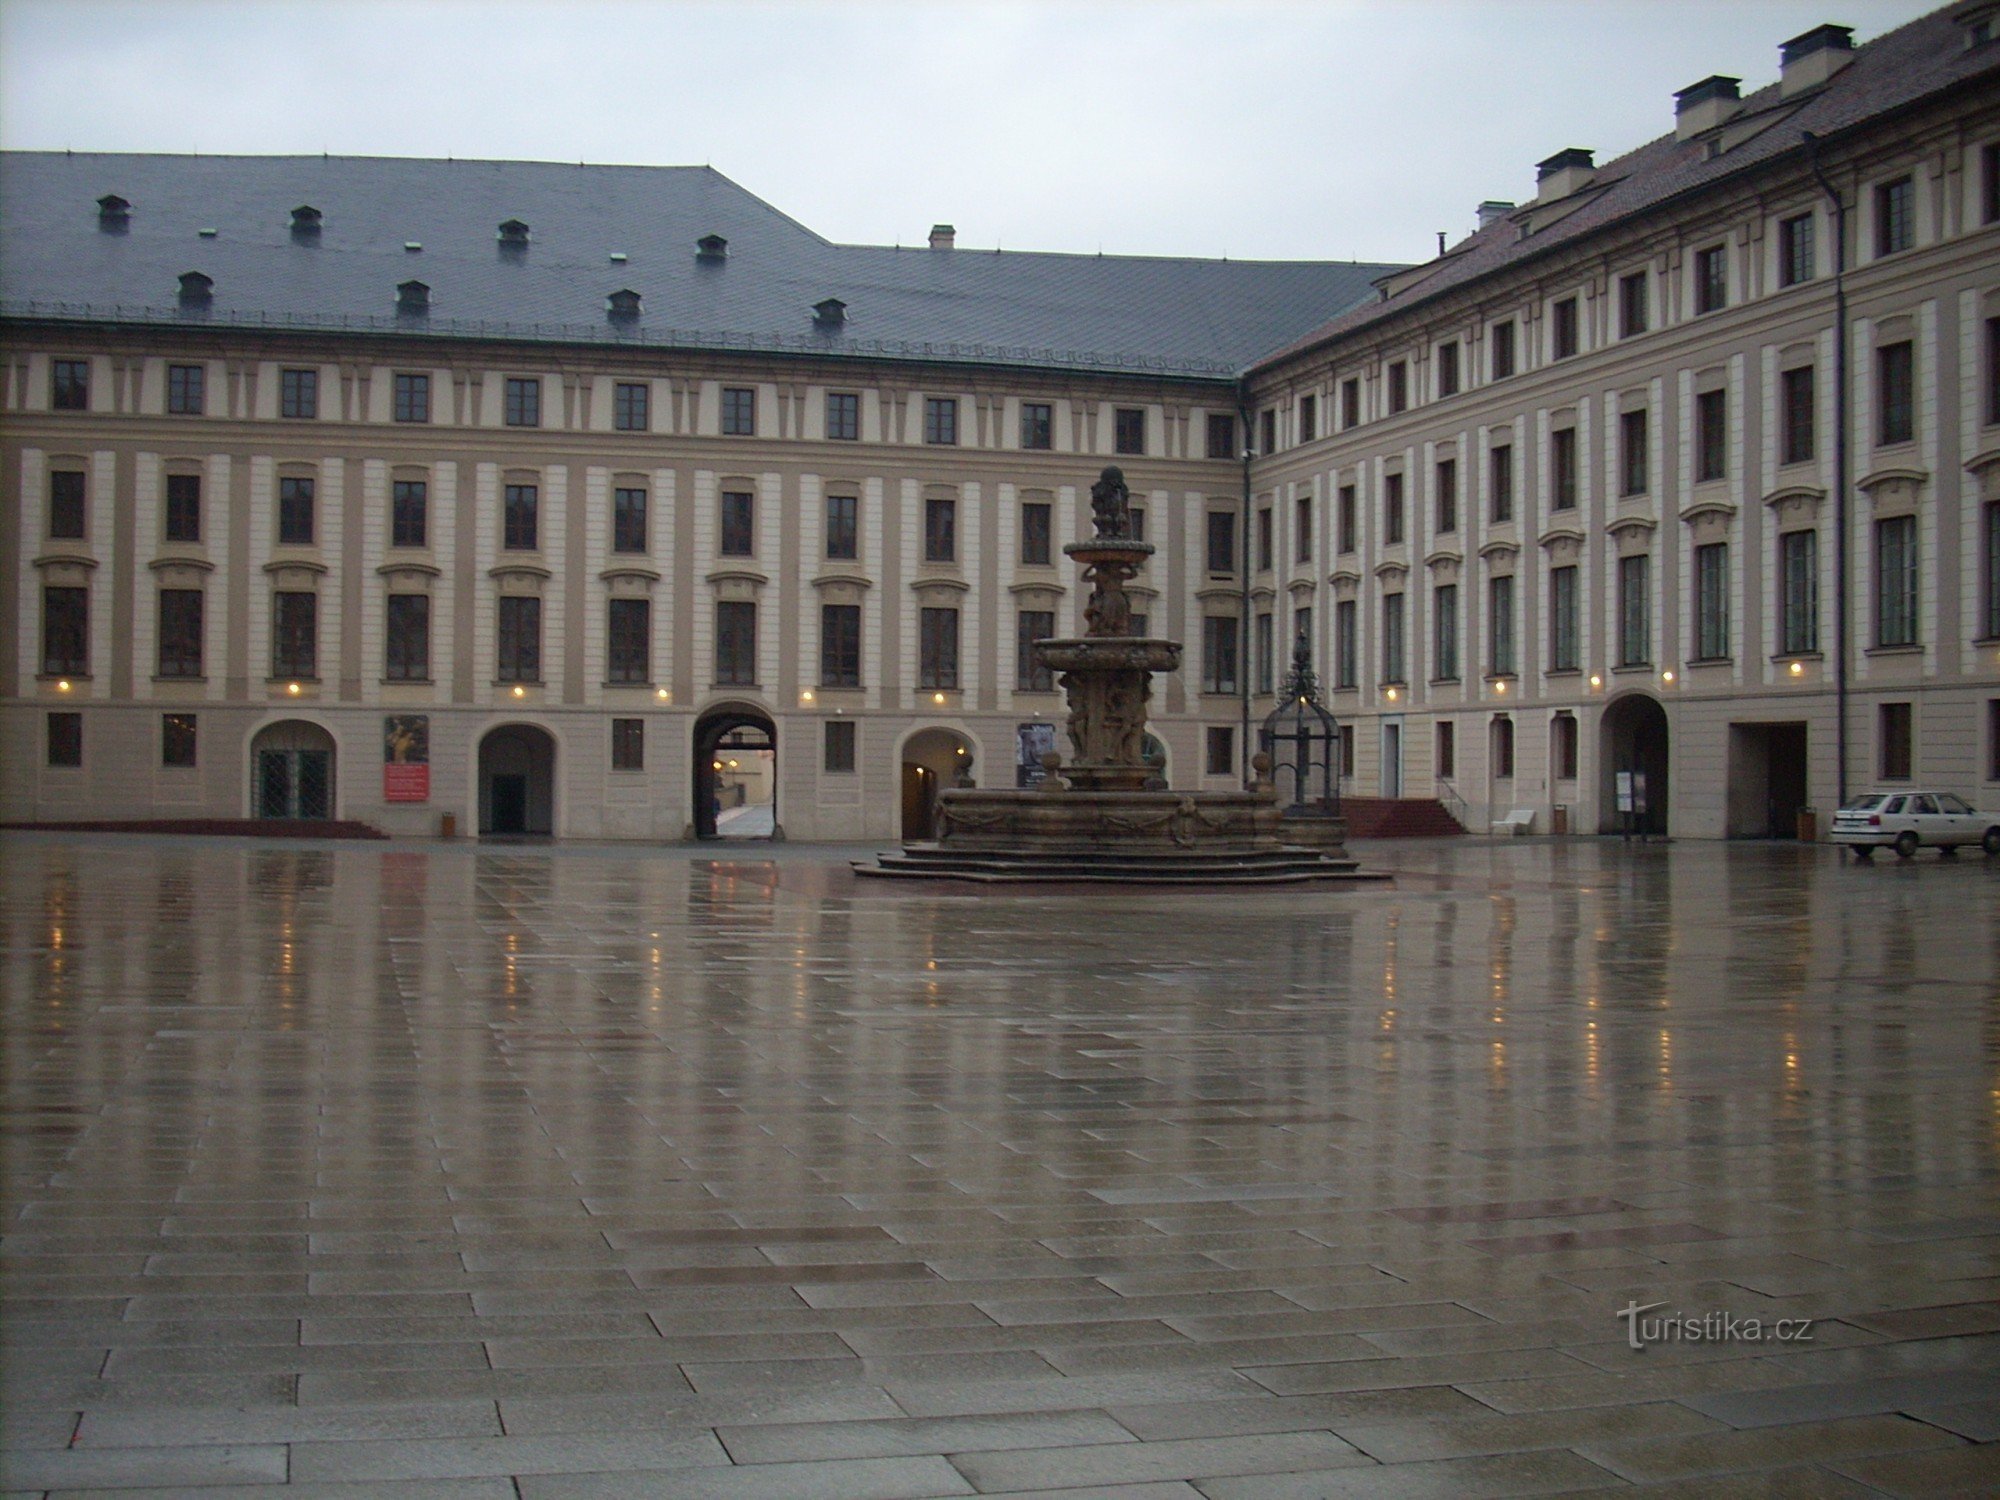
(1269, 129)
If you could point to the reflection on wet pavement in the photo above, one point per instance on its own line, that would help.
(569, 1171)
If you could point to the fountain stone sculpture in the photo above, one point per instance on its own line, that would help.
(1105, 815)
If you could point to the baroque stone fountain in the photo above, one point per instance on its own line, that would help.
(1106, 815)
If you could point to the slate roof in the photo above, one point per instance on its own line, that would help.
(1924, 60)
(1180, 317)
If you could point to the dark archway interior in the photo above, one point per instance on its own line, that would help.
(1634, 738)
(291, 771)
(748, 730)
(517, 780)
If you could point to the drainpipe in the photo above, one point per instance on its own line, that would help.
(1244, 646)
(1840, 476)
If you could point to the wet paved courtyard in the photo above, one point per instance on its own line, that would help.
(412, 1170)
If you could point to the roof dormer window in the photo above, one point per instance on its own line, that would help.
(114, 214)
(712, 248)
(623, 305)
(830, 313)
(413, 297)
(513, 234)
(305, 221)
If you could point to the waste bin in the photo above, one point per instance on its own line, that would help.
(448, 825)
(1559, 819)
(1808, 825)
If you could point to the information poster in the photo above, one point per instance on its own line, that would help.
(1031, 742)
(406, 758)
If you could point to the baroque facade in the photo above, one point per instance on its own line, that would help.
(524, 494)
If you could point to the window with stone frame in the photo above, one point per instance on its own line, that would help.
(183, 517)
(295, 511)
(843, 527)
(1563, 615)
(843, 416)
(631, 406)
(628, 519)
(522, 406)
(1711, 436)
(1896, 581)
(1895, 393)
(1711, 601)
(629, 637)
(1394, 667)
(69, 385)
(840, 645)
(1219, 654)
(409, 513)
(738, 515)
(298, 394)
(1635, 611)
(628, 744)
(66, 505)
(1798, 592)
(940, 529)
(937, 647)
(1346, 644)
(295, 634)
(519, 656)
(1500, 466)
(1036, 532)
(521, 517)
(1031, 673)
(1038, 426)
(736, 642)
(941, 419)
(180, 633)
(406, 655)
(739, 411)
(1797, 415)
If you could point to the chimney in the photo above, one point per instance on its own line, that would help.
(1700, 107)
(943, 237)
(1493, 208)
(1806, 62)
(1563, 173)
(711, 249)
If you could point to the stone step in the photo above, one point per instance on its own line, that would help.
(1258, 867)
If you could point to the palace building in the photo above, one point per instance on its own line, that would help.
(589, 500)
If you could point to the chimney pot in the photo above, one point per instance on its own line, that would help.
(1812, 57)
(943, 237)
(1563, 174)
(1702, 106)
(1493, 208)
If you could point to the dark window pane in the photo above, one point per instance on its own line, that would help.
(1797, 417)
(1895, 216)
(65, 631)
(1501, 462)
(295, 512)
(413, 398)
(1447, 357)
(521, 518)
(631, 406)
(69, 384)
(1221, 745)
(180, 632)
(187, 393)
(1393, 664)
(738, 515)
(1221, 435)
(630, 632)
(65, 731)
(940, 419)
(1798, 591)
(1030, 673)
(739, 411)
(1795, 250)
(937, 648)
(1562, 468)
(1711, 602)
(1503, 350)
(1447, 494)
(1895, 389)
(840, 645)
(1035, 532)
(1130, 429)
(1444, 632)
(1392, 509)
(1563, 328)
(1500, 624)
(1896, 581)
(520, 646)
(736, 642)
(1563, 619)
(524, 401)
(839, 745)
(1221, 542)
(298, 393)
(628, 744)
(1711, 435)
(1218, 654)
(1634, 461)
(843, 532)
(66, 505)
(1711, 279)
(1399, 387)
(409, 519)
(183, 508)
(1635, 611)
(1347, 519)
(843, 416)
(177, 739)
(1897, 741)
(1037, 425)
(628, 520)
(940, 530)
(295, 634)
(407, 655)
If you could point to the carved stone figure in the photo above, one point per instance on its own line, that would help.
(1111, 503)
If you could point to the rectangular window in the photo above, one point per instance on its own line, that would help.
(1503, 350)
(1896, 393)
(65, 631)
(413, 398)
(1631, 304)
(1562, 619)
(1392, 508)
(1562, 330)
(1503, 747)
(739, 411)
(1501, 463)
(180, 632)
(1448, 369)
(1308, 418)
(187, 390)
(1896, 581)
(1221, 435)
(1221, 745)
(937, 648)
(409, 503)
(843, 416)
(1218, 654)
(1346, 644)
(1399, 387)
(1444, 632)
(1038, 426)
(1346, 751)
(1264, 539)
(524, 401)
(1302, 529)
(628, 520)
(1268, 420)
(1347, 518)
(1036, 530)
(1711, 602)
(631, 406)
(1895, 216)
(1992, 371)
(1634, 464)
(629, 627)
(521, 517)
(1989, 516)
(1897, 724)
(1711, 279)
(1393, 669)
(1138, 517)
(1798, 591)
(65, 739)
(295, 512)
(177, 739)
(1447, 494)
(1500, 623)
(1350, 403)
(1260, 653)
(1562, 469)
(1129, 429)
(1302, 628)
(1795, 250)
(941, 419)
(295, 633)
(66, 505)
(628, 744)
(1031, 674)
(1562, 746)
(1447, 750)
(69, 385)
(520, 644)
(1797, 418)
(183, 507)
(837, 749)
(738, 528)
(840, 645)
(1221, 549)
(1989, 207)
(1635, 611)
(736, 642)
(843, 526)
(298, 393)
(407, 654)
(1711, 435)
(940, 530)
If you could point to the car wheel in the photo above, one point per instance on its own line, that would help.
(1907, 844)
(1991, 843)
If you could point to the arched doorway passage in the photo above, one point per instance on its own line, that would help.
(517, 780)
(1633, 746)
(735, 774)
(933, 759)
(291, 771)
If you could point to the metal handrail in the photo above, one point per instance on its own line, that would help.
(1453, 803)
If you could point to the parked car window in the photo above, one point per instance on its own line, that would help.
(1951, 804)
(1893, 805)
(1925, 805)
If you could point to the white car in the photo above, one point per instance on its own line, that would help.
(1908, 821)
